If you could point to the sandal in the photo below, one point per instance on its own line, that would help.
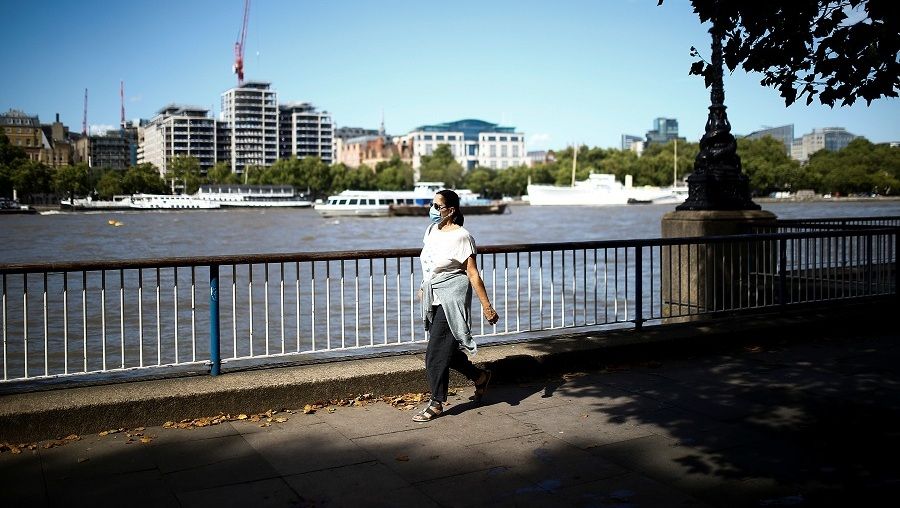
(481, 388)
(429, 413)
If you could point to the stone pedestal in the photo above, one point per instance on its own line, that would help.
(699, 278)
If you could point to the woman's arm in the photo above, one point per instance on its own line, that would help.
(478, 285)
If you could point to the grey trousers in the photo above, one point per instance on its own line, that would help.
(442, 354)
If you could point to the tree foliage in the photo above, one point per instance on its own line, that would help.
(838, 50)
(441, 166)
(71, 181)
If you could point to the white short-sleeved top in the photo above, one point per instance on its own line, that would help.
(445, 251)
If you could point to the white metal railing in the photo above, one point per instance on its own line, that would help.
(64, 319)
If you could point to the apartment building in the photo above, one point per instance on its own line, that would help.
(250, 121)
(305, 132)
(179, 131)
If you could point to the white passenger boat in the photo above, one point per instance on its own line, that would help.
(170, 202)
(252, 196)
(599, 189)
(120, 202)
(358, 203)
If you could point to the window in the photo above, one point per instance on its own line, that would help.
(473, 150)
(503, 151)
(492, 138)
(503, 164)
(493, 150)
(513, 138)
(439, 137)
(428, 149)
(515, 150)
(502, 138)
(427, 137)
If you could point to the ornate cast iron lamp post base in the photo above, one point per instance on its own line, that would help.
(698, 278)
(717, 182)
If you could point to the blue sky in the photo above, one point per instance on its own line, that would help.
(565, 71)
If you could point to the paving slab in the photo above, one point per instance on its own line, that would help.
(426, 454)
(546, 460)
(292, 450)
(272, 492)
(497, 486)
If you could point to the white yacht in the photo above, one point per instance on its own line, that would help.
(599, 189)
(252, 196)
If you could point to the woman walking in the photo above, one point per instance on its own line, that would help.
(449, 274)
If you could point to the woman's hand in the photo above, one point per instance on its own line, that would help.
(491, 315)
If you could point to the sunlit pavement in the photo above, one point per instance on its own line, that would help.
(809, 423)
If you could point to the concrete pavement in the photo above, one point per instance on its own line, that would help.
(764, 420)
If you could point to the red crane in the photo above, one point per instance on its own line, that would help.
(84, 125)
(239, 46)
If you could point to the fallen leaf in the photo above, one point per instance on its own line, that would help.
(402, 458)
(242, 416)
(146, 440)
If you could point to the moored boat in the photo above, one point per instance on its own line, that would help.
(170, 202)
(252, 196)
(119, 202)
(358, 203)
(470, 207)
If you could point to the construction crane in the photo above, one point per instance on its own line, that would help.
(122, 102)
(84, 126)
(239, 46)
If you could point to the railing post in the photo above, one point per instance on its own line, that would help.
(897, 263)
(869, 268)
(782, 270)
(638, 288)
(215, 356)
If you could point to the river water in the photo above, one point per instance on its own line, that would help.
(77, 236)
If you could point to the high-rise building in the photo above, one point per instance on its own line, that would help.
(628, 139)
(664, 130)
(829, 138)
(179, 131)
(472, 143)
(250, 119)
(784, 133)
(305, 132)
(111, 150)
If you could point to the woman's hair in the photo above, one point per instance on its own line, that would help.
(451, 199)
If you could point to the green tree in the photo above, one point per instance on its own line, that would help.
(185, 175)
(768, 166)
(143, 178)
(221, 173)
(441, 166)
(394, 175)
(481, 180)
(11, 157)
(110, 184)
(344, 177)
(30, 178)
(314, 175)
(71, 181)
(840, 50)
(860, 167)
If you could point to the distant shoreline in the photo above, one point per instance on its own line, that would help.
(519, 202)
